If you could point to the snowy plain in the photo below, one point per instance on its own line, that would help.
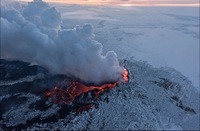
(162, 36)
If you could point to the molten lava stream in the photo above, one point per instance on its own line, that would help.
(66, 96)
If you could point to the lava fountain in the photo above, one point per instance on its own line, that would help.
(68, 95)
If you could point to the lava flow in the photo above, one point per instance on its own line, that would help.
(67, 95)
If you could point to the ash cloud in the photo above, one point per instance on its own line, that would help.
(34, 33)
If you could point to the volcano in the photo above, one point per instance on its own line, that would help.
(87, 69)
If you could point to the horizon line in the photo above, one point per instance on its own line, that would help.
(118, 4)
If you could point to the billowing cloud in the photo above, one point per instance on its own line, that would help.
(34, 33)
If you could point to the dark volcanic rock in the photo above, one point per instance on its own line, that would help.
(14, 70)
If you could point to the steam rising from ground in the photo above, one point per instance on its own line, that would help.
(34, 33)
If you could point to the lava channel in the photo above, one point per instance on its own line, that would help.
(67, 95)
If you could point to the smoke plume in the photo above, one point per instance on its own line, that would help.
(34, 33)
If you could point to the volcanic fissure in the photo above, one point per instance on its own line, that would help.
(68, 94)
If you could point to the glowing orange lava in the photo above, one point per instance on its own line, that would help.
(125, 75)
(66, 96)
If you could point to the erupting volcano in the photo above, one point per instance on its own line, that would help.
(67, 95)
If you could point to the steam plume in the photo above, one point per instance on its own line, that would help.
(34, 33)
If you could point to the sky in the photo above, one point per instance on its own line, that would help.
(129, 2)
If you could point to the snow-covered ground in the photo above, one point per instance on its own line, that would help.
(153, 99)
(162, 36)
